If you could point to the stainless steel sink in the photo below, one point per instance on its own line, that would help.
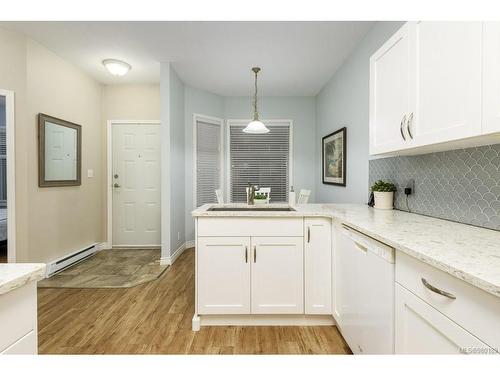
(259, 209)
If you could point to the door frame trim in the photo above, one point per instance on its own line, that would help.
(109, 168)
(11, 173)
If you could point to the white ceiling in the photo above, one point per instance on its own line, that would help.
(297, 58)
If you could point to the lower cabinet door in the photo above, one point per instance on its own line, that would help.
(421, 329)
(25, 345)
(277, 275)
(318, 265)
(223, 275)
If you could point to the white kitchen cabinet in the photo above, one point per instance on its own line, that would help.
(390, 87)
(223, 275)
(491, 77)
(318, 265)
(277, 274)
(421, 329)
(425, 87)
(447, 69)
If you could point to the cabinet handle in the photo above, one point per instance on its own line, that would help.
(408, 125)
(308, 234)
(246, 254)
(403, 120)
(255, 254)
(436, 290)
(360, 247)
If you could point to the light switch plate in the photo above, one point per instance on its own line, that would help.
(90, 173)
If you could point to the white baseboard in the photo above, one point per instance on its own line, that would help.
(264, 320)
(169, 260)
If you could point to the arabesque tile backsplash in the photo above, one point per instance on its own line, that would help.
(460, 185)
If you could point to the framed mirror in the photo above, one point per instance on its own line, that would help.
(59, 152)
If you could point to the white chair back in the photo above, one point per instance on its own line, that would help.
(303, 196)
(266, 191)
(220, 196)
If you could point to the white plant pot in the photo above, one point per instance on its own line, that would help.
(384, 200)
(260, 201)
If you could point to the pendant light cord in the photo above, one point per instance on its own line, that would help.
(255, 113)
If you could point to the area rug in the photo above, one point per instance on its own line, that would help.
(116, 268)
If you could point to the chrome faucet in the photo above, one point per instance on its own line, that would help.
(251, 193)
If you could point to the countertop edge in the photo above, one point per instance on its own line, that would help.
(23, 278)
(458, 273)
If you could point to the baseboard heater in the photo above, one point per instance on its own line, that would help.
(62, 263)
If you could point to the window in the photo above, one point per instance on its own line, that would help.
(208, 159)
(261, 159)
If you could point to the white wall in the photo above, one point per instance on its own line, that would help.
(196, 101)
(344, 102)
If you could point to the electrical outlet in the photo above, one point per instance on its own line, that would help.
(178, 236)
(410, 187)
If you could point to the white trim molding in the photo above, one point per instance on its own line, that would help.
(173, 257)
(109, 168)
(11, 173)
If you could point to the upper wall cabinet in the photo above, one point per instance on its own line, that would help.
(443, 63)
(491, 77)
(390, 93)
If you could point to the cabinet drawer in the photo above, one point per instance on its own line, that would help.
(250, 226)
(25, 345)
(17, 314)
(475, 310)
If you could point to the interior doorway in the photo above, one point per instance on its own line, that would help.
(7, 178)
(134, 178)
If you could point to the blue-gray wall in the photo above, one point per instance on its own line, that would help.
(299, 109)
(344, 102)
(177, 164)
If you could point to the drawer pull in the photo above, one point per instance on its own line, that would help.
(246, 254)
(436, 290)
(361, 247)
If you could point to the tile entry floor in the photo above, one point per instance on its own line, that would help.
(115, 268)
(155, 318)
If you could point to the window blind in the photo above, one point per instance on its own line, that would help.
(208, 162)
(261, 159)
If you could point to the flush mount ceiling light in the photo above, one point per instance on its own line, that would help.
(256, 126)
(116, 67)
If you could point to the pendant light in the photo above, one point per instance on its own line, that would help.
(256, 126)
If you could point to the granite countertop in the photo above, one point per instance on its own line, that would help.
(469, 253)
(15, 275)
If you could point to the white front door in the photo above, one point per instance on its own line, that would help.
(136, 185)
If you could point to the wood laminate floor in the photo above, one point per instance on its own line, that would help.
(155, 318)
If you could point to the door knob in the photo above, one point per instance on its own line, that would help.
(116, 185)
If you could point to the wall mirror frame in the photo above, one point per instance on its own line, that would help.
(59, 152)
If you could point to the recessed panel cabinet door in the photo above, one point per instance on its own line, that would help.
(223, 275)
(421, 329)
(389, 94)
(318, 265)
(491, 77)
(277, 275)
(447, 72)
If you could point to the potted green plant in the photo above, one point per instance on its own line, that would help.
(260, 198)
(384, 194)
